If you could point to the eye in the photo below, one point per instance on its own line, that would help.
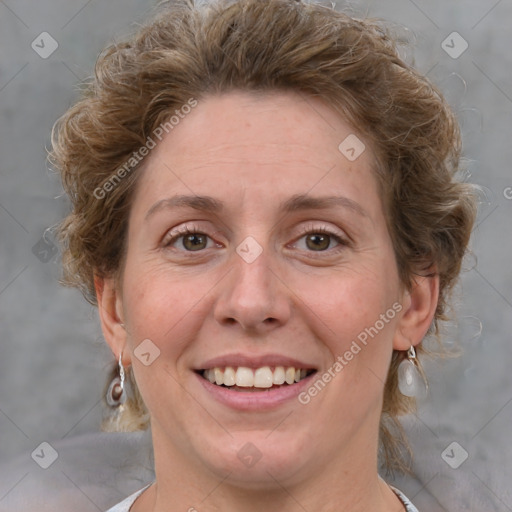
(188, 238)
(320, 240)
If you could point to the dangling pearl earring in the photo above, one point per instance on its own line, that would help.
(410, 380)
(116, 393)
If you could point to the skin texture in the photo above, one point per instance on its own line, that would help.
(253, 153)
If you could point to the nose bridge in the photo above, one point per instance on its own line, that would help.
(252, 295)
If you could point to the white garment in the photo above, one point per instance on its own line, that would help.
(125, 505)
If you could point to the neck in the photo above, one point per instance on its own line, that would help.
(346, 482)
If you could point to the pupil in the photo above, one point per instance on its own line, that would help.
(318, 242)
(194, 242)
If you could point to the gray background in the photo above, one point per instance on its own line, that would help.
(52, 357)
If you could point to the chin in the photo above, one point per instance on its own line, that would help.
(252, 460)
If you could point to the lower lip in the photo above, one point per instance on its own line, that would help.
(256, 400)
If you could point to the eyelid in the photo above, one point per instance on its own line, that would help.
(341, 237)
(343, 240)
(311, 228)
(176, 233)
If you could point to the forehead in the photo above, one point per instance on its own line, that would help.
(285, 123)
(276, 144)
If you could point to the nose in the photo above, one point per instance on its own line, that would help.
(253, 296)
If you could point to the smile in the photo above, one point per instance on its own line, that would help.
(242, 378)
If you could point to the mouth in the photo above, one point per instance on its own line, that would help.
(245, 379)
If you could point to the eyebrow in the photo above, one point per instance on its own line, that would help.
(305, 202)
(200, 203)
(293, 204)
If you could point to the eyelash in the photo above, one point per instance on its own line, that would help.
(314, 230)
(181, 232)
(309, 230)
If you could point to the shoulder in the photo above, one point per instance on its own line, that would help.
(409, 507)
(124, 506)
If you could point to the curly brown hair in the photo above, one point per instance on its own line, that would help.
(191, 50)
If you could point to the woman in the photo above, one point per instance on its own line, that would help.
(265, 213)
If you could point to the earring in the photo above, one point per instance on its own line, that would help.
(116, 393)
(410, 379)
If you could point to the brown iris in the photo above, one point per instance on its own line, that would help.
(318, 241)
(195, 241)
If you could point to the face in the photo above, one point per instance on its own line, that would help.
(255, 247)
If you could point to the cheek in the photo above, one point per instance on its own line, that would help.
(354, 315)
(164, 307)
(169, 311)
(345, 315)
(347, 304)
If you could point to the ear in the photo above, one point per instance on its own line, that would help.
(419, 307)
(110, 309)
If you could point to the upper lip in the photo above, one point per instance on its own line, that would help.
(236, 360)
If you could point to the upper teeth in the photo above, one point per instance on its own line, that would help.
(262, 377)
